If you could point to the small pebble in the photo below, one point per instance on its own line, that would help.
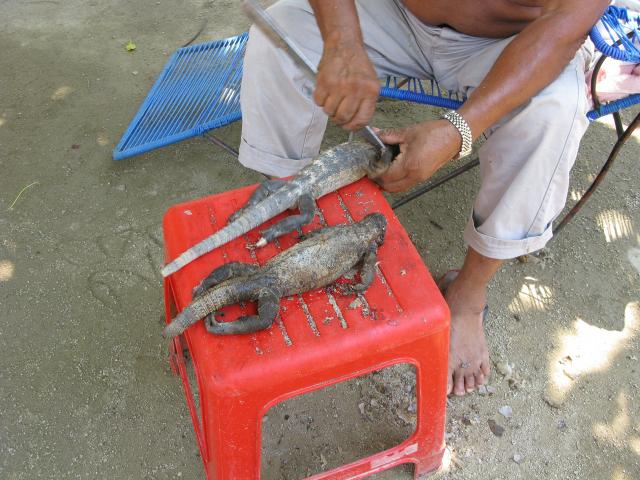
(506, 411)
(505, 368)
(374, 403)
(518, 458)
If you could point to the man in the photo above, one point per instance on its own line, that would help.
(520, 63)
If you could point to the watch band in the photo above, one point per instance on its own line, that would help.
(462, 126)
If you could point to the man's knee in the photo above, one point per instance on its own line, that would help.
(295, 18)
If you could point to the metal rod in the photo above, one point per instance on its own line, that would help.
(594, 82)
(603, 171)
(215, 140)
(435, 183)
(402, 82)
(617, 120)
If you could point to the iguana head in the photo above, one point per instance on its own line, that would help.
(375, 226)
(379, 164)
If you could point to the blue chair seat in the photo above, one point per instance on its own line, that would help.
(198, 90)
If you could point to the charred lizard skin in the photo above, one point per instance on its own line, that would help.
(329, 171)
(320, 259)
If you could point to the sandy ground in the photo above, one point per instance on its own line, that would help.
(85, 387)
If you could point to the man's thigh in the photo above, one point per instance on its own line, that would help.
(525, 165)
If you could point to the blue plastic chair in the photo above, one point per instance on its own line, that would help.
(198, 91)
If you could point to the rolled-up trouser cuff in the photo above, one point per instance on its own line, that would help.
(503, 249)
(268, 163)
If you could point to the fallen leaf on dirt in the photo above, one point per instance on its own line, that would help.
(130, 46)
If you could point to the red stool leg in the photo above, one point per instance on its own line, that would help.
(233, 430)
(432, 356)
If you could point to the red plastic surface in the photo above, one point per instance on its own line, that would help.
(316, 340)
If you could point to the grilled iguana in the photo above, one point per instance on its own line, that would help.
(321, 258)
(329, 171)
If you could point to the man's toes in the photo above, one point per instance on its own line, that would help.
(480, 378)
(450, 383)
(485, 367)
(469, 382)
(458, 383)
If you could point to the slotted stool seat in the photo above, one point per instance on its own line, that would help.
(316, 340)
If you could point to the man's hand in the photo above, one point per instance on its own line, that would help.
(347, 85)
(424, 148)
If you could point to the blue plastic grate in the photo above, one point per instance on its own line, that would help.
(198, 90)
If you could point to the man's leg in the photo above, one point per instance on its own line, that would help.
(281, 126)
(524, 170)
(467, 297)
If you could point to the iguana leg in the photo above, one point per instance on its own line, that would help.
(307, 207)
(268, 306)
(313, 233)
(265, 189)
(222, 273)
(367, 274)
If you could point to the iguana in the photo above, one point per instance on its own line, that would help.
(321, 258)
(329, 171)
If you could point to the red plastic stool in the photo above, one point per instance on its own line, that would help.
(316, 340)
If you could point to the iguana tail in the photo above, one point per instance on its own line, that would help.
(253, 217)
(217, 297)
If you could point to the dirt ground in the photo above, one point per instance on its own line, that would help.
(85, 386)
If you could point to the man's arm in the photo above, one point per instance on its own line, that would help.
(534, 58)
(347, 85)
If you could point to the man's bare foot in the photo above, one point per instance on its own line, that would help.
(469, 365)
